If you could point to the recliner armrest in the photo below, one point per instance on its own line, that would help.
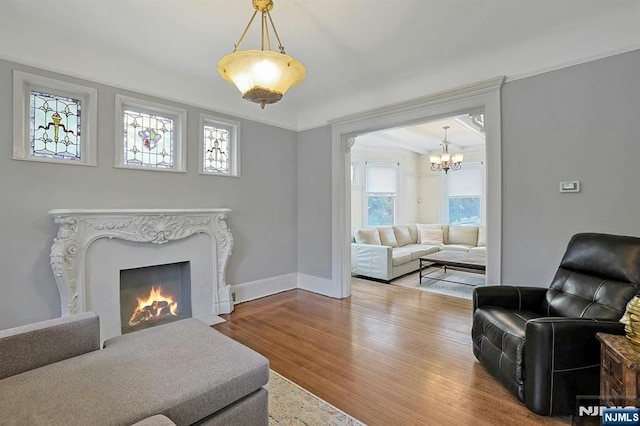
(562, 359)
(520, 298)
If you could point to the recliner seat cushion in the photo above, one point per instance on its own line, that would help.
(498, 342)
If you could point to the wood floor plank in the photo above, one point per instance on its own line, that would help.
(387, 355)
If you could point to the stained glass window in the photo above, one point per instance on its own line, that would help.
(216, 150)
(148, 140)
(55, 126)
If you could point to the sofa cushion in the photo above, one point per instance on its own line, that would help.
(445, 233)
(368, 236)
(34, 345)
(478, 250)
(413, 230)
(387, 236)
(482, 236)
(403, 235)
(184, 370)
(463, 235)
(400, 256)
(456, 247)
(419, 250)
(157, 420)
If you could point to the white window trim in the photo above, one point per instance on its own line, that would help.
(23, 84)
(234, 144)
(179, 116)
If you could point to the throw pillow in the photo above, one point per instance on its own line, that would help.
(431, 237)
(387, 236)
(368, 236)
(422, 227)
(482, 236)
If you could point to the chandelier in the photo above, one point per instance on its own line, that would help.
(445, 161)
(262, 76)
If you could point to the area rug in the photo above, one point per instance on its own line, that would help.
(289, 404)
(453, 283)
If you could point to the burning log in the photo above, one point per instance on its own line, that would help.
(155, 307)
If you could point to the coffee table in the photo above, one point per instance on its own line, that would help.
(471, 261)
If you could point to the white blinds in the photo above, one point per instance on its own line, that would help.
(468, 181)
(382, 177)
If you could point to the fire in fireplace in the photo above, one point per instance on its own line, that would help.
(157, 305)
(154, 295)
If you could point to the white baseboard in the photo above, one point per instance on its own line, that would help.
(264, 287)
(315, 284)
(268, 286)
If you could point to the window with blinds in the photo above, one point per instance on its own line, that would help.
(381, 192)
(464, 195)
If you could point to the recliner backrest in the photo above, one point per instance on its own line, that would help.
(597, 277)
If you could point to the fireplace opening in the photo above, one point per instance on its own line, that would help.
(154, 295)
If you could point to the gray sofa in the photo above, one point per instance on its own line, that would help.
(387, 252)
(183, 373)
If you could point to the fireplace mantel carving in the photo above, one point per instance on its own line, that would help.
(77, 229)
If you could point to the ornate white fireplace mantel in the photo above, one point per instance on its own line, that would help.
(78, 229)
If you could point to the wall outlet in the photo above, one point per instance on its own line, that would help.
(233, 296)
(570, 186)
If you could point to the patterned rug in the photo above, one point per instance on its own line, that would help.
(289, 404)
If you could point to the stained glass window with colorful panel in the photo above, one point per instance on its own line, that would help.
(148, 140)
(217, 155)
(55, 126)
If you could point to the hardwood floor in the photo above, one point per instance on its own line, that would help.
(387, 355)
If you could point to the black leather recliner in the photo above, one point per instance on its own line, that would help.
(540, 343)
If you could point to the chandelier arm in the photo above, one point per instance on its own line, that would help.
(244, 33)
(280, 46)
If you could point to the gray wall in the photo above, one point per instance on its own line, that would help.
(582, 121)
(264, 201)
(314, 202)
(578, 123)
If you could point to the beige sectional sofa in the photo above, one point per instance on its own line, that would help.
(387, 252)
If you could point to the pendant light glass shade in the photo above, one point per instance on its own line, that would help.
(262, 76)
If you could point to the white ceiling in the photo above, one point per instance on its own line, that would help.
(426, 138)
(359, 54)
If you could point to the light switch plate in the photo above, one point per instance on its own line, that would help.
(570, 186)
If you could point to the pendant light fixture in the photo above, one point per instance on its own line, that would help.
(262, 76)
(446, 161)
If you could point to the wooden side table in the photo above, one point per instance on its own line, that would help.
(619, 371)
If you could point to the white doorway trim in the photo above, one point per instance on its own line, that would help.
(479, 97)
